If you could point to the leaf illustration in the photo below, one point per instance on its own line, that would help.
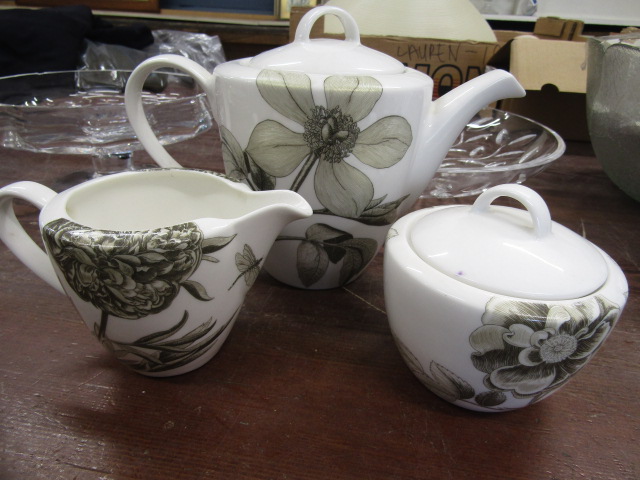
(187, 339)
(392, 233)
(259, 179)
(232, 155)
(142, 360)
(376, 213)
(381, 214)
(440, 380)
(312, 262)
(163, 334)
(491, 398)
(193, 353)
(327, 236)
(450, 384)
(186, 347)
(321, 232)
(196, 290)
(410, 359)
(375, 202)
(214, 244)
(358, 253)
(196, 351)
(211, 259)
(323, 244)
(156, 353)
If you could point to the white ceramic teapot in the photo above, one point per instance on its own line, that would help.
(157, 262)
(494, 308)
(351, 129)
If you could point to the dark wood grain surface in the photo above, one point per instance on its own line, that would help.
(309, 384)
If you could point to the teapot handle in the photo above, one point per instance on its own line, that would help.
(531, 200)
(16, 238)
(134, 107)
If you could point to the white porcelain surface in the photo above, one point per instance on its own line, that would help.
(481, 349)
(359, 141)
(156, 262)
(509, 251)
(327, 56)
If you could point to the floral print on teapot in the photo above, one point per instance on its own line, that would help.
(327, 136)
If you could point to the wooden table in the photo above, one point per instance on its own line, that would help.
(309, 384)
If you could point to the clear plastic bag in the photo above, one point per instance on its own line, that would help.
(203, 49)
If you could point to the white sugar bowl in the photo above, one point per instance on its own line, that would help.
(494, 308)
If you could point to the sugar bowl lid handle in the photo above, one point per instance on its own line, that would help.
(351, 31)
(531, 200)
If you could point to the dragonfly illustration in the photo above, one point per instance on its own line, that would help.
(248, 266)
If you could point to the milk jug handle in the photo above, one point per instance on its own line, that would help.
(135, 109)
(16, 238)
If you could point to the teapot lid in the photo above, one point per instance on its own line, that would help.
(327, 56)
(509, 251)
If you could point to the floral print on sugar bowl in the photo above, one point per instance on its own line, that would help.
(526, 350)
(136, 275)
(531, 349)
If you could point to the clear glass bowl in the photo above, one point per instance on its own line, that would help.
(83, 113)
(496, 147)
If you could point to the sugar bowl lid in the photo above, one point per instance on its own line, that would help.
(327, 56)
(509, 251)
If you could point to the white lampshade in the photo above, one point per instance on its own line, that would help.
(443, 19)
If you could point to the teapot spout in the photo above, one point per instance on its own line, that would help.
(449, 114)
(452, 111)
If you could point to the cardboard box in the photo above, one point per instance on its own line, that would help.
(553, 28)
(449, 63)
(553, 72)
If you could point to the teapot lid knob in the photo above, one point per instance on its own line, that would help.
(351, 31)
(328, 56)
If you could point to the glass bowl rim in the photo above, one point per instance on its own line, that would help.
(90, 71)
(540, 161)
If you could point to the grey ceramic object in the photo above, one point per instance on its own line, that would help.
(613, 96)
